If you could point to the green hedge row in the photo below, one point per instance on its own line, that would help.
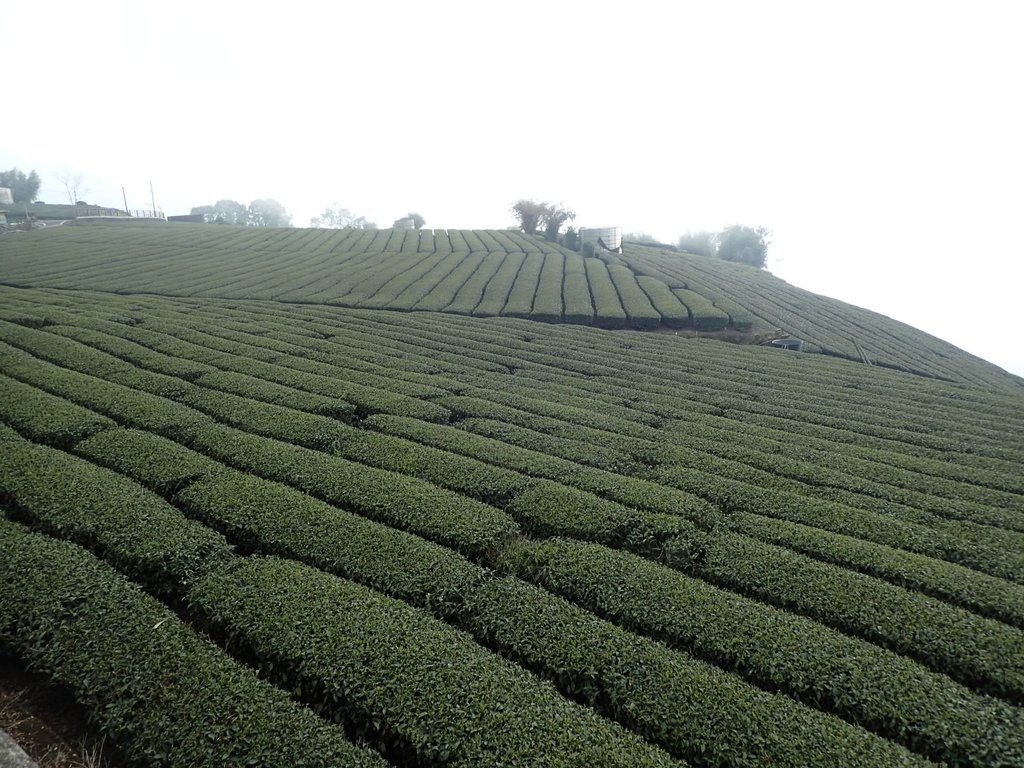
(693, 709)
(584, 445)
(414, 683)
(405, 289)
(547, 303)
(252, 337)
(622, 488)
(404, 502)
(9, 434)
(608, 311)
(880, 479)
(201, 373)
(705, 315)
(136, 354)
(336, 389)
(160, 694)
(584, 412)
(632, 679)
(246, 359)
(520, 298)
(123, 404)
(579, 309)
(551, 509)
(732, 495)
(271, 518)
(640, 313)
(761, 461)
(444, 293)
(673, 312)
(72, 354)
(129, 526)
(44, 417)
(985, 595)
(523, 622)
(981, 653)
(498, 288)
(161, 465)
(277, 394)
(740, 317)
(472, 291)
(884, 692)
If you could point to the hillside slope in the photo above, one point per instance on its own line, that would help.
(448, 540)
(479, 273)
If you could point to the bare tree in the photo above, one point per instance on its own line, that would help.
(74, 184)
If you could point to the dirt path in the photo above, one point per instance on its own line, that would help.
(46, 723)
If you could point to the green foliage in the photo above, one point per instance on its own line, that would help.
(823, 668)
(43, 417)
(397, 270)
(700, 243)
(745, 245)
(547, 217)
(547, 301)
(267, 212)
(661, 693)
(24, 188)
(845, 536)
(570, 239)
(529, 213)
(135, 530)
(640, 313)
(161, 465)
(398, 500)
(275, 519)
(704, 315)
(608, 311)
(379, 662)
(673, 312)
(336, 217)
(223, 212)
(158, 692)
(978, 652)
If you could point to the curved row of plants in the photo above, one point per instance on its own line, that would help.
(475, 440)
(483, 273)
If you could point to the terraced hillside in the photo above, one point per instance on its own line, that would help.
(479, 273)
(251, 532)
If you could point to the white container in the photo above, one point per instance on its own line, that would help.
(610, 237)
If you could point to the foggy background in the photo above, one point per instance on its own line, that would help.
(879, 142)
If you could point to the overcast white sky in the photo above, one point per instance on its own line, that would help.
(880, 142)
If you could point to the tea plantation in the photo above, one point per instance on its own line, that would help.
(332, 498)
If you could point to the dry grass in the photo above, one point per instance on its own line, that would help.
(37, 719)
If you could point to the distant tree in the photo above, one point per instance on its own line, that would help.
(337, 217)
(533, 216)
(700, 243)
(746, 245)
(73, 183)
(529, 213)
(552, 220)
(417, 220)
(24, 189)
(267, 212)
(640, 237)
(223, 212)
(570, 239)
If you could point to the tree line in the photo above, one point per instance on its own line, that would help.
(737, 243)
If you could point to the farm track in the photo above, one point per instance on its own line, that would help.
(460, 536)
